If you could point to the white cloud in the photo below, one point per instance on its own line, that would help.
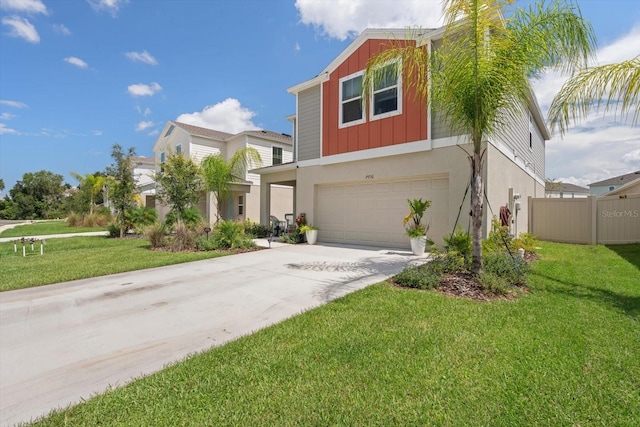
(146, 112)
(21, 28)
(4, 130)
(143, 56)
(154, 132)
(297, 47)
(342, 19)
(7, 116)
(143, 125)
(96, 132)
(110, 6)
(141, 89)
(77, 62)
(24, 6)
(632, 157)
(14, 104)
(226, 116)
(61, 29)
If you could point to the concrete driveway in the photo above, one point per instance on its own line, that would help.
(66, 342)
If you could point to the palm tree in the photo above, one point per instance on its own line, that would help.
(94, 184)
(219, 174)
(606, 84)
(478, 78)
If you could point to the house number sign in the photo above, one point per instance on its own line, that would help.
(368, 177)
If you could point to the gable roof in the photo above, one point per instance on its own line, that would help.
(207, 133)
(618, 180)
(565, 187)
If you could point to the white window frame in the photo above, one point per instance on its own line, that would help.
(341, 102)
(399, 94)
(273, 163)
(240, 205)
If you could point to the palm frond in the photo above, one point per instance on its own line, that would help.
(612, 86)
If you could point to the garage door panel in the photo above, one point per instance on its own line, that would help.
(371, 213)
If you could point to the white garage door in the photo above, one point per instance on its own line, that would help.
(371, 213)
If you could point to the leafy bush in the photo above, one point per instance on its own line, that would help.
(499, 239)
(113, 229)
(157, 234)
(461, 242)
(255, 229)
(293, 238)
(204, 244)
(526, 241)
(493, 283)
(230, 235)
(513, 269)
(141, 217)
(190, 216)
(97, 219)
(420, 277)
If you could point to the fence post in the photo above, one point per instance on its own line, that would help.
(593, 206)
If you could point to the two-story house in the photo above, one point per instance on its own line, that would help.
(198, 142)
(356, 164)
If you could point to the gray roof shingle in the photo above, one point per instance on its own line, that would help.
(618, 180)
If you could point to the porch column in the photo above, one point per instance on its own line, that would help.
(265, 202)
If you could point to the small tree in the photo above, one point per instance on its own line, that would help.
(93, 184)
(180, 184)
(219, 173)
(121, 184)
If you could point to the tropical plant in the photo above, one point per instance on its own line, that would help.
(93, 184)
(417, 208)
(219, 173)
(121, 185)
(612, 85)
(180, 184)
(306, 227)
(230, 235)
(478, 78)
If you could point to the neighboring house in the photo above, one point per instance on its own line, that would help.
(564, 190)
(198, 143)
(601, 187)
(630, 188)
(355, 166)
(144, 168)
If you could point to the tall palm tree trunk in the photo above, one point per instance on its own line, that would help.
(477, 207)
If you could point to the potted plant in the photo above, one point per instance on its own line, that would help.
(417, 231)
(310, 232)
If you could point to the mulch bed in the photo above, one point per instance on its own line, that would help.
(463, 284)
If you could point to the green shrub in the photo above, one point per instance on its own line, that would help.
(420, 277)
(157, 234)
(141, 217)
(113, 229)
(293, 238)
(461, 242)
(230, 235)
(255, 229)
(499, 239)
(204, 244)
(493, 283)
(513, 269)
(190, 216)
(526, 241)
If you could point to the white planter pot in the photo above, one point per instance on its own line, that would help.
(312, 236)
(418, 245)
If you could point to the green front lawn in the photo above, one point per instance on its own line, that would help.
(73, 258)
(566, 353)
(46, 227)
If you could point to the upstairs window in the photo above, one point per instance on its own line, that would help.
(169, 131)
(277, 155)
(351, 100)
(162, 157)
(178, 148)
(386, 92)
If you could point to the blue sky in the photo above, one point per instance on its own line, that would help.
(77, 76)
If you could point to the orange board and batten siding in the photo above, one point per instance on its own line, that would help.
(409, 126)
